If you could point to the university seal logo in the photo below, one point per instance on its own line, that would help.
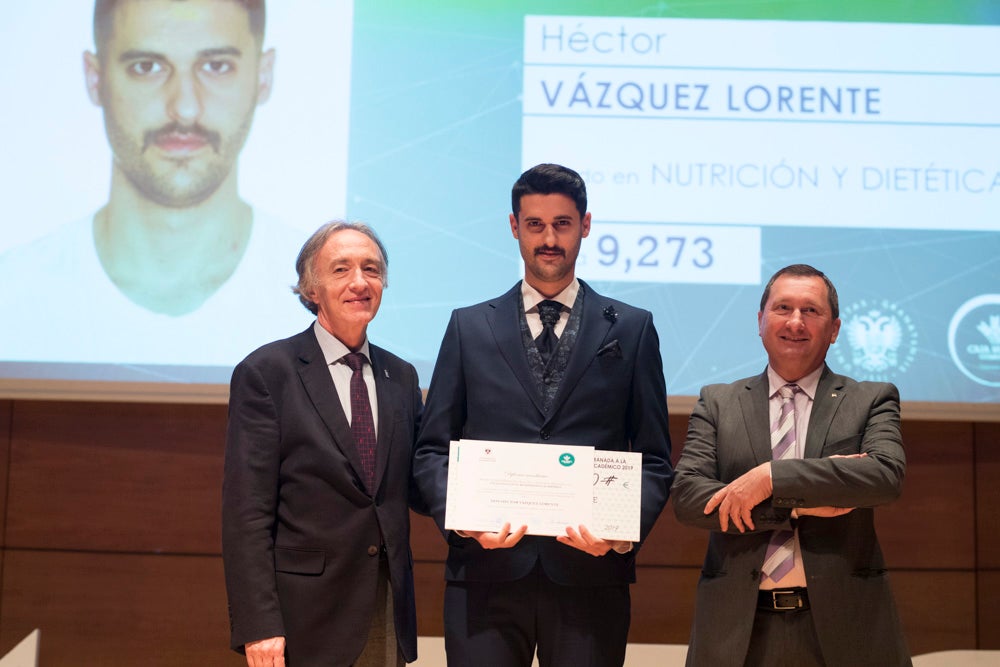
(878, 341)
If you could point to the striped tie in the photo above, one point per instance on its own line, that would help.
(780, 556)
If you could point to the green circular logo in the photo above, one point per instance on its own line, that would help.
(567, 459)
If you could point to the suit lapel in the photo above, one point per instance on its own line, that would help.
(323, 393)
(829, 394)
(505, 322)
(754, 406)
(387, 395)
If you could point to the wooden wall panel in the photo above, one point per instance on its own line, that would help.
(937, 609)
(116, 477)
(428, 582)
(143, 480)
(117, 609)
(663, 605)
(426, 541)
(933, 524)
(988, 495)
(987, 598)
(670, 543)
(5, 410)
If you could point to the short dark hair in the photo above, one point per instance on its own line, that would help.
(550, 179)
(304, 262)
(804, 271)
(104, 10)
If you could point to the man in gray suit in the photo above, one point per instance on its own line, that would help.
(785, 469)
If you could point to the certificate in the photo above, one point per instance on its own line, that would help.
(544, 487)
(617, 487)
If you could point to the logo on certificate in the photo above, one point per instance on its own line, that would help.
(567, 459)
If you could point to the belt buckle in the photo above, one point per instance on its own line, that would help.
(777, 607)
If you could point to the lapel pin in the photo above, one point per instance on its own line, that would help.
(386, 371)
(610, 314)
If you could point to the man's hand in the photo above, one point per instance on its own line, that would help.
(585, 541)
(738, 498)
(266, 652)
(500, 540)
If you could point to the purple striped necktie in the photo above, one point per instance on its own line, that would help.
(780, 556)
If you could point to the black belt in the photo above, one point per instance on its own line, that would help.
(783, 599)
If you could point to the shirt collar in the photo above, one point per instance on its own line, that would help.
(807, 383)
(333, 349)
(532, 297)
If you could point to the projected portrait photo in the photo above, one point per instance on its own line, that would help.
(183, 263)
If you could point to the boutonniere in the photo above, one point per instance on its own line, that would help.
(610, 314)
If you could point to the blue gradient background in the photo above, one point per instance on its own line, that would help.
(435, 148)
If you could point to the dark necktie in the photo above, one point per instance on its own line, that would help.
(546, 342)
(362, 423)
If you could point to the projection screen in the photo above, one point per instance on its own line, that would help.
(719, 141)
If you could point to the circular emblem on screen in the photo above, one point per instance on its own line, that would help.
(567, 459)
(974, 339)
(877, 341)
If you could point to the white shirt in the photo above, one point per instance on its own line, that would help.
(333, 353)
(59, 305)
(803, 408)
(533, 297)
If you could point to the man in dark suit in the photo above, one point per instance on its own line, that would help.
(315, 514)
(785, 469)
(601, 384)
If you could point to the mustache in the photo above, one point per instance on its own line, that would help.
(212, 138)
(549, 249)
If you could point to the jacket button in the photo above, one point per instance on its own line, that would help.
(373, 550)
(545, 435)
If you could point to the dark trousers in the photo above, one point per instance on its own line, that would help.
(381, 649)
(784, 639)
(501, 624)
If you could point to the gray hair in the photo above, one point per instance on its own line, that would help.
(304, 264)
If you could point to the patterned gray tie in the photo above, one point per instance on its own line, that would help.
(548, 312)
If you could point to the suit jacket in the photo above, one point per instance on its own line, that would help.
(852, 605)
(300, 533)
(612, 397)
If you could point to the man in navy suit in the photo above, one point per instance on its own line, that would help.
(317, 487)
(595, 379)
(785, 469)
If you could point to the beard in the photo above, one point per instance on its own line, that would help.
(176, 182)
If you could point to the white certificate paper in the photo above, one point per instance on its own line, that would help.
(617, 488)
(545, 487)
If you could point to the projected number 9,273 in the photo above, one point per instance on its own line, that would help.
(649, 252)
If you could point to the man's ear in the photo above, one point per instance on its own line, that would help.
(265, 76)
(92, 76)
(513, 225)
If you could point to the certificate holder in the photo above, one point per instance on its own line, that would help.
(545, 487)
